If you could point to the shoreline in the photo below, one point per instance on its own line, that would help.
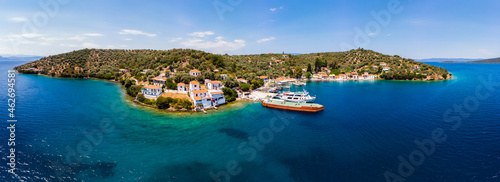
(254, 98)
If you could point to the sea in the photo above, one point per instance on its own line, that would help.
(88, 130)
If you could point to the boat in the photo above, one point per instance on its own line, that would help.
(299, 83)
(297, 96)
(277, 103)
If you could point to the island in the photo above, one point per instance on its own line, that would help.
(194, 80)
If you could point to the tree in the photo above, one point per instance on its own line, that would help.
(170, 84)
(245, 87)
(298, 72)
(231, 82)
(141, 98)
(229, 94)
(308, 75)
(134, 90)
(128, 83)
(309, 69)
(162, 103)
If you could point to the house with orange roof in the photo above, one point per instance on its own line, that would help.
(265, 78)
(241, 80)
(151, 91)
(386, 69)
(194, 85)
(181, 87)
(195, 72)
(383, 64)
(281, 80)
(218, 98)
(159, 81)
(343, 77)
(355, 75)
(214, 85)
(201, 98)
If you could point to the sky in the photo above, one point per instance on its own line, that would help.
(410, 28)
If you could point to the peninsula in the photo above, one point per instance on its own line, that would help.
(186, 79)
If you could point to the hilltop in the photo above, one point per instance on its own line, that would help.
(105, 63)
(494, 60)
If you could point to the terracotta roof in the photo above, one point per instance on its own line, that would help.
(195, 71)
(199, 91)
(181, 84)
(194, 82)
(152, 87)
(262, 77)
(159, 78)
(197, 98)
(216, 93)
(280, 79)
(215, 82)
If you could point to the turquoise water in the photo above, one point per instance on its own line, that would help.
(358, 137)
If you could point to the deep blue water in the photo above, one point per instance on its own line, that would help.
(359, 136)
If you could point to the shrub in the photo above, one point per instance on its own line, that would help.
(141, 98)
(162, 103)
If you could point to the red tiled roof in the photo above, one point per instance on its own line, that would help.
(199, 91)
(152, 87)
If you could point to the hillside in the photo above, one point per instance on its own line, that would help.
(105, 63)
(494, 60)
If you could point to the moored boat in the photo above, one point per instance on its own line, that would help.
(293, 106)
(297, 96)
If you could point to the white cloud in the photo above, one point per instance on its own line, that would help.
(218, 46)
(18, 19)
(77, 38)
(201, 34)
(127, 39)
(486, 52)
(276, 9)
(266, 39)
(90, 45)
(51, 38)
(84, 45)
(175, 39)
(136, 32)
(92, 34)
(26, 35)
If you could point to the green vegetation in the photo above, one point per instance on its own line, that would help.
(105, 64)
(229, 94)
(245, 87)
(134, 90)
(162, 103)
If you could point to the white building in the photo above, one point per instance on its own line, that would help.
(195, 72)
(194, 85)
(223, 76)
(214, 85)
(218, 98)
(201, 98)
(386, 68)
(151, 91)
(159, 81)
(181, 87)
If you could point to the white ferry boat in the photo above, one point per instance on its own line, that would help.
(297, 96)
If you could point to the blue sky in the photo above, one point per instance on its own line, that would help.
(410, 28)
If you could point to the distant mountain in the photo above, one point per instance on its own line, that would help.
(447, 60)
(494, 60)
(20, 58)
